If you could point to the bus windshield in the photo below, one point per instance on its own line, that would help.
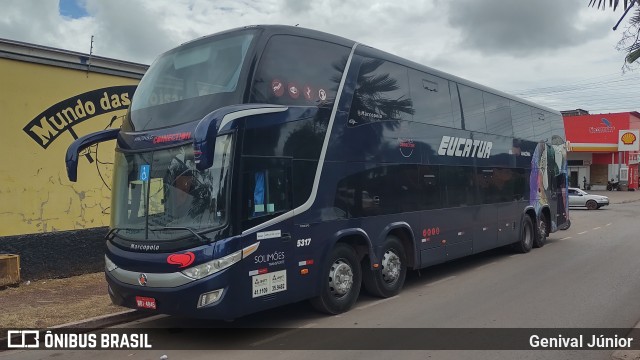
(187, 83)
(160, 195)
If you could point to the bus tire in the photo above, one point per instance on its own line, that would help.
(388, 280)
(526, 236)
(541, 232)
(341, 281)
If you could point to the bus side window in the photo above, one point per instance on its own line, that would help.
(382, 93)
(267, 187)
(473, 108)
(460, 185)
(522, 120)
(432, 99)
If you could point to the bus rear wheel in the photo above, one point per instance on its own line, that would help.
(389, 279)
(525, 243)
(541, 232)
(341, 281)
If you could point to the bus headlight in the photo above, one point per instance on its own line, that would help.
(212, 267)
(109, 265)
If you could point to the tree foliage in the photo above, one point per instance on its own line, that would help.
(630, 42)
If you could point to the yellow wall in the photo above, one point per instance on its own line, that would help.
(35, 194)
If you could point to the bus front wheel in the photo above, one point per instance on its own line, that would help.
(341, 281)
(389, 279)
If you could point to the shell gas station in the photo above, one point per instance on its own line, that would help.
(602, 148)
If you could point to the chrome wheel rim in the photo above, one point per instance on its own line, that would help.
(340, 278)
(543, 229)
(391, 266)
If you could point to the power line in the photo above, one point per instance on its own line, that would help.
(600, 93)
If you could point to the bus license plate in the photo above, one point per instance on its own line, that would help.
(146, 302)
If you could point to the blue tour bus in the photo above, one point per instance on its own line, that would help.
(266, 165)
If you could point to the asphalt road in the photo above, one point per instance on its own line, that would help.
(585, 277)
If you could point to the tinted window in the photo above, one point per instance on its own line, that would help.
(190, 81)
(299, 71)
(382, 93)
(497, 114)
(520, 184)
(455, 105)
(487, 189)
(459, 185)
(303, 176)
(381, 190)
(522, 120)
(557, 125)
(431, 183)
(542, 124)
(267, 188)
(496, 185)
(431, 99)
(472, 108)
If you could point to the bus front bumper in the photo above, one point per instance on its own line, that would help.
(189, 300)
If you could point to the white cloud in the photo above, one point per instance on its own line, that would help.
(510, 46)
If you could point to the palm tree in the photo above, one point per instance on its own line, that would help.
(630, 42)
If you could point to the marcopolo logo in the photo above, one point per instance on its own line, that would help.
(54, 121)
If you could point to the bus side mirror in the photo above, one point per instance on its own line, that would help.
(73, 152)
(204, 141)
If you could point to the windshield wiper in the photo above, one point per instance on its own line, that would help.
(200, 237)
(112, 233)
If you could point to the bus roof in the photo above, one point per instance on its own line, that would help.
(270, 30)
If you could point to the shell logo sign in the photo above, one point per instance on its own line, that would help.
(628, 140)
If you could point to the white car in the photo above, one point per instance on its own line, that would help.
(581, 198)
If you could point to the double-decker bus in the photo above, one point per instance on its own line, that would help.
(267, 165)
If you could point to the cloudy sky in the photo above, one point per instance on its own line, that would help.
(559, 53)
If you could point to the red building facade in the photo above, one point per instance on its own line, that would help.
(603, 147)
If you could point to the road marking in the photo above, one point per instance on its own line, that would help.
(283, 334)
(596, 228)
(584, 232)
(376, 303)
(441, 280)
(566, 238)
(608, 224)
